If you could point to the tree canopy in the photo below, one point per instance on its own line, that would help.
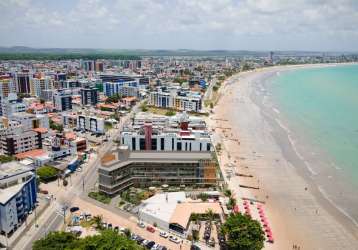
(47, 173)
(6, 158)
(107, 240)
(243, 233)
(114, 98)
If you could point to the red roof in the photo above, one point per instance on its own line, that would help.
(40, 130)
(31, 153)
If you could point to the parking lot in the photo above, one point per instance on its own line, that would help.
(132, 224)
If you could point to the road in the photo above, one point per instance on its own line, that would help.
(52, 219)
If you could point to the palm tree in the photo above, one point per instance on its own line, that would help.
(195, 217)
(98, 219)
(210, 215)
(227, 192)
(127, 233)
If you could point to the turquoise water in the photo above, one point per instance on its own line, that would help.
(323, 104)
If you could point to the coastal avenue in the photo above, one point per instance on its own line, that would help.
(52, 219)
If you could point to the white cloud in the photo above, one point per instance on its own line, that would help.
(135, 23)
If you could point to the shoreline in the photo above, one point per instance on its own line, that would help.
(299, 216)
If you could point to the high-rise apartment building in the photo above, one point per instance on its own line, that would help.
(89, 96)
(62, 100)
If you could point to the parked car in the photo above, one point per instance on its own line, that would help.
(150, 229)
(140, 240)
(74, 209)
(174, 239)
(150, 244)
(144, 242)
(194, 247)
(134, 236)
(211, 242)
(163, 234)
(155, 247)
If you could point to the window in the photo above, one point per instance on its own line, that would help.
(208, 147)
(141, 144)
(161, 143)
(154, 144)
(134, 143)
(179, 146)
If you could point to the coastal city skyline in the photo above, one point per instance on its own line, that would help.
(205, 25)
(178, 124)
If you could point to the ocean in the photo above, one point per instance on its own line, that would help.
(319, 109)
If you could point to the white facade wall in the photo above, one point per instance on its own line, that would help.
(8, 218)
(90, 123)
(195, 142)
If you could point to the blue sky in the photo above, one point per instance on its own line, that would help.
(325, 25)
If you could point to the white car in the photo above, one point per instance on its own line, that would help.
(163, 234)
(141, 224)
(174, 239)
(155, 247)
(145, 242)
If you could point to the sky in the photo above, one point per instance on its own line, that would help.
(311, 25)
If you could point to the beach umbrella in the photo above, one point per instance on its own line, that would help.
(270, 239)
(268, 229)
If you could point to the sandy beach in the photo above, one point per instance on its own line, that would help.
(252, 144)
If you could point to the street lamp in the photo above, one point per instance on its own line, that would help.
(64, 209)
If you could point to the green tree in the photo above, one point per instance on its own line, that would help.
(54, 241)
(127, 233)
(231, 203)
(106, 240)
(203, 196)
(144, 107)
(210, 215)
(6, 158)
(47, 173)
(170, 113)
(56, 126)
(114, 98)
(227, 192)
(98, 220)
(243, 233)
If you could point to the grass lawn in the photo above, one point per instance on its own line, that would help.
(100, 197)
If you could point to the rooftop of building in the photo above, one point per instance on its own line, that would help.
(182, 212)
(123, 156)
(40, 130)
(162, 205)
(12, 168)
(174, 207)
(8, 193)
(30, 154)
